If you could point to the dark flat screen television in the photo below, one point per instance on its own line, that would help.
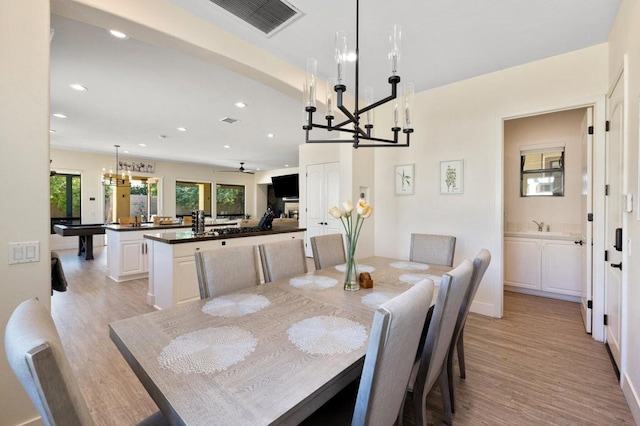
(285, 186)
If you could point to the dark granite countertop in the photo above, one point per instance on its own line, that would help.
(151, 227)
(188, 237)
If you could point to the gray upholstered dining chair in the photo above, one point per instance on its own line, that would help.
(393, 341)
(283, 259)
(431, 364)
(226, 269)
(432, 249)
(328, 250)
(480, 265)
(36, 355)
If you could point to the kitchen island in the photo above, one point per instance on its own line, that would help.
(171, 261)
(128, 251)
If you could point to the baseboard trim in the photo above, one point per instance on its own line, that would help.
(36, 421)
(539, 293)
(632, 398)
(481, 308)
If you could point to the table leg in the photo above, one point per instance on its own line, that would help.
(85, 244)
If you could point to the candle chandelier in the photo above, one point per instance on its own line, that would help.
(112, 179)
(353, 123)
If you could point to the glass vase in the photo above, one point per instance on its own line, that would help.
(351, 281)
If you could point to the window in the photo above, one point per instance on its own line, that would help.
(64, 199)
(230, 201)
(542, 172)
(192, 196)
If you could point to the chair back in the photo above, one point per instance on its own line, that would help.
(453, 288)
(328, 250)
(36, 355)
(226, 269)
(283, 259)
(393, 342)
(480, 265)
(432, 249)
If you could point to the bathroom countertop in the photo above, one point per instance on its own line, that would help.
(546, 235)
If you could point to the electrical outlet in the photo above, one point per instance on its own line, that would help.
(25, 252)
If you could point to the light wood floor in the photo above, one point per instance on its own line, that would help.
(535, 366)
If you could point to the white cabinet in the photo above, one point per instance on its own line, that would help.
(323, 192)
(127, 255)
(173, 278)
(545, 266)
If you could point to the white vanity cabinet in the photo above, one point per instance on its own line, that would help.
(544, 267)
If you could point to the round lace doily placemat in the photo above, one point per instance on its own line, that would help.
(313, 282)
(207, 351)
(235, 305)
(411, 266)
(327, 335)
(377, 298)
(359, 268)
(416, 278)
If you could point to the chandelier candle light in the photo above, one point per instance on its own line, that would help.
(401, 107)
(352, 231)
(113, 179)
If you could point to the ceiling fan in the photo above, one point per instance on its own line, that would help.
(241, 169)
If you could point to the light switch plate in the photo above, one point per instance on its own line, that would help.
(25, 252)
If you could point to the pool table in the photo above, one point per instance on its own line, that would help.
(85, 235)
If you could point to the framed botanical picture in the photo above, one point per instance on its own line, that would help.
(451, 177)
(404, 179)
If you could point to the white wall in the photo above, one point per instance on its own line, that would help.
(625, 39)
(464, 121)
(90, 166)
(561, 213)
(24, 148)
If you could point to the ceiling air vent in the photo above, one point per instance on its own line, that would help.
(228, 120)
(268, 16)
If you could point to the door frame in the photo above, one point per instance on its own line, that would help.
(598, 103)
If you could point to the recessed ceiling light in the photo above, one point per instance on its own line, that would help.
(351, 56)
(118, 34)
(240, 104)
(162, 136)
(258, 169)
(78, 87)
(270, 135)
(226, 146)
(286, 165)
(51, 131)
(182, 129)
(142, 144)
(126, 152)
(59, 115)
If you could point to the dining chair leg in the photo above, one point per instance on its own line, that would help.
(460, 346)
(446, 402)
(420, 407)
(449, 368)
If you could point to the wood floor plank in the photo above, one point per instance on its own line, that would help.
(535, 366)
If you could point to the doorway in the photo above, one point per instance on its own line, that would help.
(548, 175)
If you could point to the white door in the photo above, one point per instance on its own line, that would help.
(323, 192)
(315, 203)
(613, 205)
(586, 278)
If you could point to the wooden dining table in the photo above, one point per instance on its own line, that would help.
(267, 354)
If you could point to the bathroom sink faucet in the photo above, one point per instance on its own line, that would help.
(540, 225)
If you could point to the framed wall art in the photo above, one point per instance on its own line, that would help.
(404, 179)
(451, 177)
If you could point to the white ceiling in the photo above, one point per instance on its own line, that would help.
(138, 91)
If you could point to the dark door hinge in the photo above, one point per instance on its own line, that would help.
(589, 304)
(606, 255)
(607, 125)
(606, 190)
(589, 217)
(590, 130)
(606, 319)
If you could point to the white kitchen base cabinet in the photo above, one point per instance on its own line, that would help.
(172, 276)
(127, 255)
(551, 268)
